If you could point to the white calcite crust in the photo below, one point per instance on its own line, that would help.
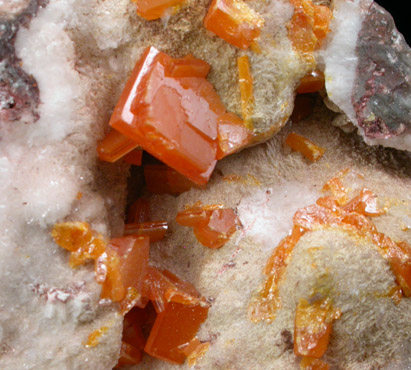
(48, 174)
(339, 56)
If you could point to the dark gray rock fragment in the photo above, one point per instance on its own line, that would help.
(382, 90)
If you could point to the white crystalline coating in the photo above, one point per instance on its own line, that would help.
(47, 53)
(339, 56)
(267, 214)
(44, 165)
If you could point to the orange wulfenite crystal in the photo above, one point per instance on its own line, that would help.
(159, 286)
(154, 9)
(312, 82)
(213, 225)
(169, 109)
(126, 261)
(139, 211)
(93, 338)
(234, 21)
(155, 230)
(337, 188)
(173, 117)
(269, 301)
(365, 204)
(80, 240)
(115, 146)
(175, 326)
(310, 363)
(246, 89)
(307, 148)
(180, 312)
(135, 157)
(313, 324)
(309, 26)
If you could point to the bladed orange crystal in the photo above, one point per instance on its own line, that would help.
(246, 89)
(115, 146)
(155, 230)
(306, 147)
(139, 211)
(234, 21)
(313, 325)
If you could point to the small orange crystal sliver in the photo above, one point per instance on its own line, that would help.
(114, 146)
(172, 118)
(213, 225)
(246, 89)
(155, 230)
(155, 9)
(304, 146)
(139, 211)
(234, 21)
(93, 339)
(313, 324)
